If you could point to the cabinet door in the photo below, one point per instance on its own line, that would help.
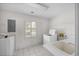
(11, 25)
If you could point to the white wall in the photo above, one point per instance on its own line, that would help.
(77, 29)
(65, 22)
(21, 41)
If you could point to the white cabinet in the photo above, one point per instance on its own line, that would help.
(49, 39)
(7, 46)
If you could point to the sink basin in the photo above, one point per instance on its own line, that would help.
(67, 47)
(61, 48)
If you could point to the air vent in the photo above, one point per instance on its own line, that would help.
(32, 12)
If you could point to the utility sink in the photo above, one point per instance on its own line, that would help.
(61, 48)
(67, 47)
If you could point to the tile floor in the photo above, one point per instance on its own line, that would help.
(33, 51)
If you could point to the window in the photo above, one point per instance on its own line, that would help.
(30, 29)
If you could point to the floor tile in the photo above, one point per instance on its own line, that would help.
(33, 51)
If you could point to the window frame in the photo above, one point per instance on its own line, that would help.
(31, 30)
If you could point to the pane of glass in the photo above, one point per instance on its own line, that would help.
(28, 26)
(28, 31)
(33, 24)
(28, 36)
(33, 30)
(33, 33)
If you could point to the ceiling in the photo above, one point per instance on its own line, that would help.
(52, 9)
